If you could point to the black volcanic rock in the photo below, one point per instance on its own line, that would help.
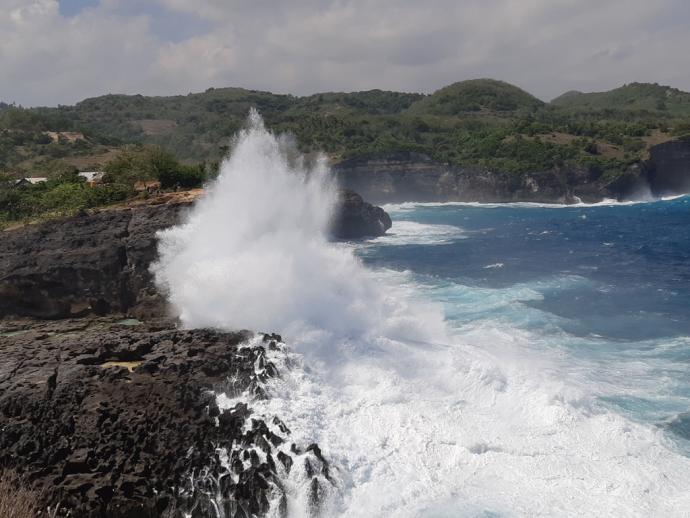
(113, 421)
(356, 218)
(89, 263)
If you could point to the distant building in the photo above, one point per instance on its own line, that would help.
(92, 177)
(29, 181)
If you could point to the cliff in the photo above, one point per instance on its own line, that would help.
(669, 168)
(400, 177)
(98, 262)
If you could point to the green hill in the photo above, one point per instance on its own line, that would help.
(477, 95)
(632, 97)
(479, 123)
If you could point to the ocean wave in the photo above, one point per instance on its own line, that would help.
(609, 202)
(413, 233)
(412, 410)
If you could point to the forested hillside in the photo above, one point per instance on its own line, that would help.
(483, 124)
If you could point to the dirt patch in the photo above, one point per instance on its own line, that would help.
(655, 138)
(130, 366)
(607, 150)
(155, 127)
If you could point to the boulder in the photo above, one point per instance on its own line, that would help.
(355, 218)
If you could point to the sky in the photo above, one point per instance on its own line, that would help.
(62, 51)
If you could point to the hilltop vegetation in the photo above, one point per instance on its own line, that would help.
(635, 97)
(483, 124)
(477, 95)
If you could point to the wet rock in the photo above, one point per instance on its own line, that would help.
(356, 218)
(285, 460)
(118, 438)
(315, 496)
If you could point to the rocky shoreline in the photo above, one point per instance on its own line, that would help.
(108, 409)
(106, 418)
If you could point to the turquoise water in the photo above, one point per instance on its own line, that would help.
(603, 288)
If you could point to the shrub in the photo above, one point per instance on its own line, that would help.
(66, 198)
(152, 162)
(183, 176)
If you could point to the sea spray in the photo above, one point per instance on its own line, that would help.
(247, 253)
(254, 252)
(413, 422)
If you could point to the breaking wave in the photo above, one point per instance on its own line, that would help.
(416, 417)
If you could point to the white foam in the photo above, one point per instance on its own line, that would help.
(607, 202)
(476, 426)
(413, 233)
(416, 419)
(674, 197)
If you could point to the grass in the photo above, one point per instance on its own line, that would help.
(16, 499)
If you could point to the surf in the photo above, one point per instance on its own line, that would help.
(416, 416)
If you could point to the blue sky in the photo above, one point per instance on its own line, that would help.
(165, 24)
(73, 7)
(64, 51)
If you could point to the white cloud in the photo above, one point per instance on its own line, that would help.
(305, 46)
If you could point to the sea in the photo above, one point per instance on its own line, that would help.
(511, 360)
(605, 287)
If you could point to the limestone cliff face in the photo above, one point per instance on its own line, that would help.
(400, 177)
(669, 168)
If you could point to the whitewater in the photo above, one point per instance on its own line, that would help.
(429, 396)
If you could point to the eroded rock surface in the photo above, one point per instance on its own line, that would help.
(112, 420)
(90, 263)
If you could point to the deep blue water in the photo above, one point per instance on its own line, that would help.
(608, 286)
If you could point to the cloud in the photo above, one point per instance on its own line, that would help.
(306, 46)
